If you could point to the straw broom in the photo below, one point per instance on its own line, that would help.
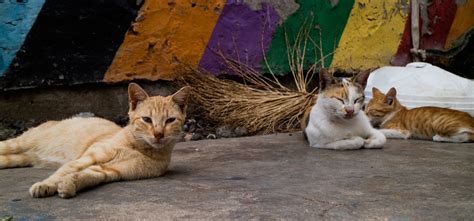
(260, 104)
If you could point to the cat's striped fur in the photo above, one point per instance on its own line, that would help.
(90, 151)
(432, 123)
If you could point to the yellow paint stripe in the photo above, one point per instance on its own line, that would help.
(463, 21)
(166, 34)
(372, 34)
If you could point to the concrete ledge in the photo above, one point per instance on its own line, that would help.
(273, 176)
(55, 103)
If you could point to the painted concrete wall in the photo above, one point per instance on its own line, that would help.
(70, 42)
(349, 35)
(16, 19)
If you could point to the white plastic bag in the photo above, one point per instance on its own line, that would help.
(422, 84)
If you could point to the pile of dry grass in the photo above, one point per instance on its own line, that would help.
(260, 104)
(260, 110)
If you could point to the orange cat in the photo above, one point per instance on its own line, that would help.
(433, 123)
(91, 151)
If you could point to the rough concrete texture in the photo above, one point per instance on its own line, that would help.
(273, 176)
(55, 103)
(70, 42)
(322, 24)
(163, 37)
(16, 19)
(462, 24)
(371, 21)
(235, 36)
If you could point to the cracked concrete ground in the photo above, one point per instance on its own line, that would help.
(271, 177)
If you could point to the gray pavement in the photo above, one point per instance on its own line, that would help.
(272, 177)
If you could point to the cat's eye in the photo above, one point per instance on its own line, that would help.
(358, 99)
(147, 120)
(339, 99)
(170, 120)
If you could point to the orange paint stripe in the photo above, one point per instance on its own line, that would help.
(463, 22)
(164, 37)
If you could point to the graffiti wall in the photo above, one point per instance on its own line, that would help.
(57, 42)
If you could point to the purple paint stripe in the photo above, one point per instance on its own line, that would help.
(238, 35)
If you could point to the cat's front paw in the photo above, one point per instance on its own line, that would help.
(372, 143)
(43, 189)
(66, 189)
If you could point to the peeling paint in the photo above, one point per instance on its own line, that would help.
(334, 2)
(437, 34)
(284, 8)
(16, 20)
(462, 24)
(425, 21)
(167, 36)
(460, 2)
(378, 24)
(242, 34)
(324, 22)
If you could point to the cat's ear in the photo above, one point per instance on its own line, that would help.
(362, 77)
(376, 92)
(325, 79)
(136, 94)
(391, 95)
(181, 97)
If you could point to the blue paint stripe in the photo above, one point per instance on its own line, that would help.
(16, 19)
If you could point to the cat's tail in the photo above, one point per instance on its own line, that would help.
(13, 152)
(14, 160)
(13, 146)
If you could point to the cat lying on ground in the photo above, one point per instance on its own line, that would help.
(336, 120)
(90, 151)
(432, 123)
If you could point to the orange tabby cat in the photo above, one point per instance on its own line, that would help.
(433, 123)
(91, 151)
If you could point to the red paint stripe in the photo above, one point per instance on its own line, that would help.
(441, 15)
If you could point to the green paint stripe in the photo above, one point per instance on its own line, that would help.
(319, 18)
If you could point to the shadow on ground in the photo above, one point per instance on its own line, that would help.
(273, 176)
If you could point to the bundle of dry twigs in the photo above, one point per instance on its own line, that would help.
(260, 104)
(259, 110)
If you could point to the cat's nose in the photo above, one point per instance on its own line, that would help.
(349, 110)
(158, 135)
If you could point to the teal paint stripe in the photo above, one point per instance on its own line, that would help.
(16, 19)
(316, 16)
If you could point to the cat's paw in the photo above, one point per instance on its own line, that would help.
(395, 133)
(353, 143)
(43, 189)
(357, 142)
(66, 189)
(372, 143)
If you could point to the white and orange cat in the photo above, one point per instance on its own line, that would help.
(90, 151)
(431, 123)
(336, 120)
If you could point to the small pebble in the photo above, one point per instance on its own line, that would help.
(224, 131)
(196, 136)
(240, 131)
(188, 137)
(211, 136)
